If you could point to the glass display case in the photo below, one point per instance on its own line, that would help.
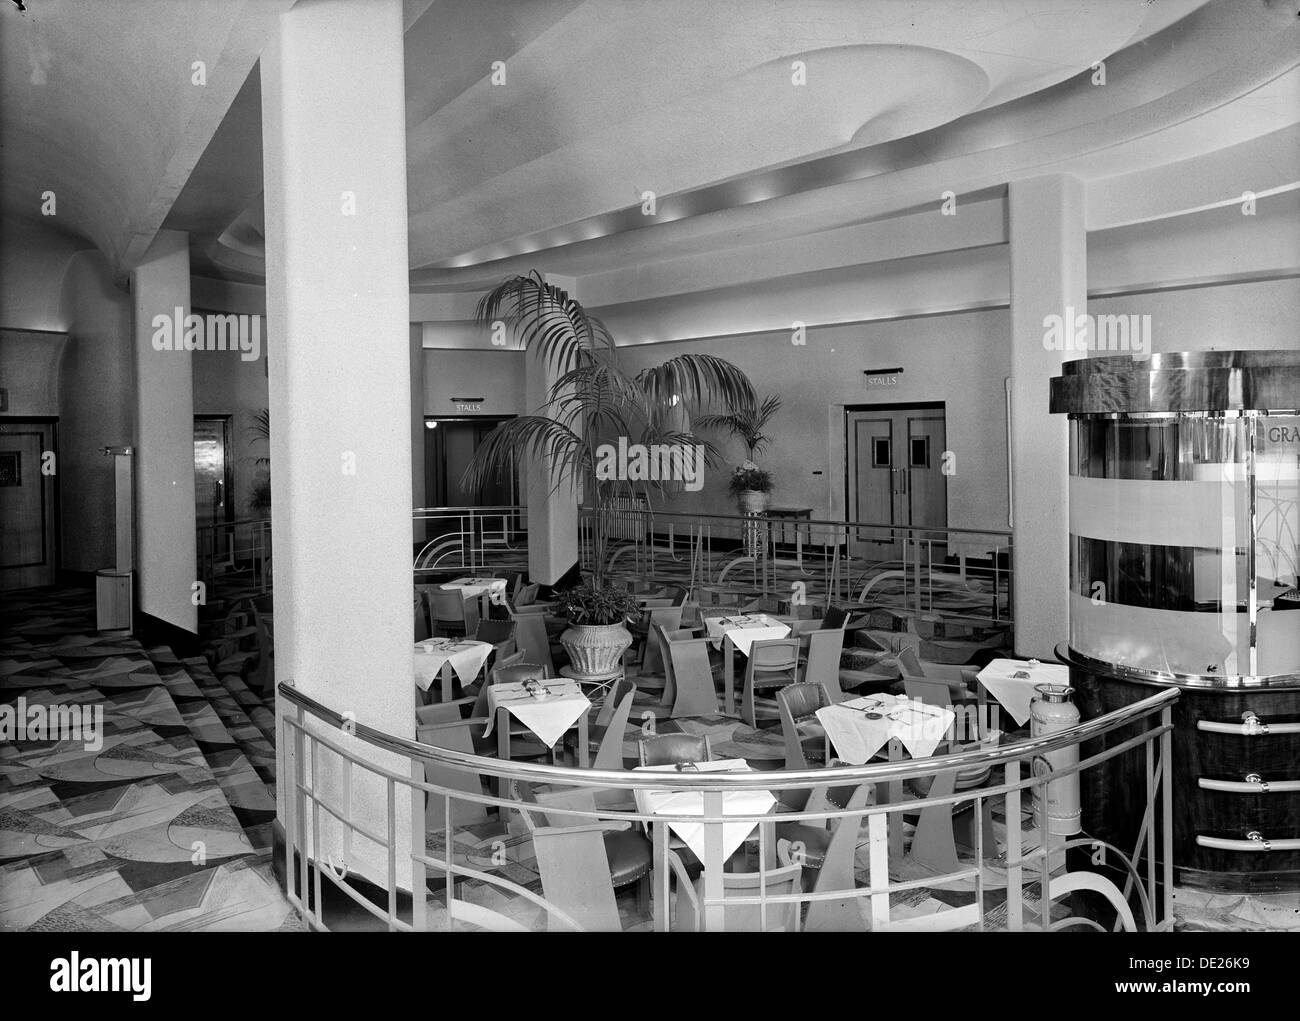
(1184, 531)
(1184, 538)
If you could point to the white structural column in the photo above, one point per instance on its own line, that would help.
(334, 143)
(419, 528)
(1048, 277)
(166, 545)
(552, 510)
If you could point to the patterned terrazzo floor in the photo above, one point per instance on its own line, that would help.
(148, 832)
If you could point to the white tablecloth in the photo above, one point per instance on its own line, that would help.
(745, 629)
(493, 588)
(652, 801)
(548, 717)
(466, 657)
(1000, 679)
(860, 727)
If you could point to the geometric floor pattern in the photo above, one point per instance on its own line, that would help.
(166, 825)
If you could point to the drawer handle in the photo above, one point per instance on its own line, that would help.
(1253, 783)
(1254, 842)
(1250, 726)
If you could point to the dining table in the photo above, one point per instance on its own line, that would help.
(548, 707)
(489, 590)
(859, 727)
(679, 806)
(1012, 682)
(737, 633)
(461, 658)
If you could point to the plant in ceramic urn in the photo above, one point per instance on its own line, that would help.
(597, 634)
(750, 484)
(752, 487)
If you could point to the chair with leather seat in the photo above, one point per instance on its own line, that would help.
(524, 744)
(583, 860)
(813, 837)
(770, 664)
(673, 749)
(836, 872)
(805, 737)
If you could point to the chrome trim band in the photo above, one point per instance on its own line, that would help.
(1178, 381)
(1220, 682)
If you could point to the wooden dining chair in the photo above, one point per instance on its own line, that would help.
(690, 673)
(669, 618)
(670, 749)
(823, 663)
(608, 730)
(771, 664)
(581, 860)
(805, 737)
(532, 640)
(494, 631)
(440, 725)
(452, 612)
(944, 687)
(837, 873)
(783, 881)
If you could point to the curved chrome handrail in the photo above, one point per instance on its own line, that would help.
(773, 780)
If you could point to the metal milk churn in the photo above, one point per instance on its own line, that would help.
(1051, 711)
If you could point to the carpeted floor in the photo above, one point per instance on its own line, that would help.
(149, 832)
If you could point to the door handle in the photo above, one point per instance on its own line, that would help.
(902, 478)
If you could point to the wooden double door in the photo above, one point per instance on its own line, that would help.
(895, 475)
(29, 520)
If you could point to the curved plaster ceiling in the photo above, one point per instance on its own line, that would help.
(104, 109)
(605, 100)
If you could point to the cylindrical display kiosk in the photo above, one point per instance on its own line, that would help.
(1184, 544)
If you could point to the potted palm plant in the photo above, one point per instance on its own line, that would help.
(750, 484)
(594, 403)
(598, 617)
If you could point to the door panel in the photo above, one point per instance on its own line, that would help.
(449, 447)
(895, 476)
(211, 469)
(28, 522)
(871, 452)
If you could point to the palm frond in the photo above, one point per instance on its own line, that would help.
(545, 318)
(529, 439)
(746, 422)
(698, 381)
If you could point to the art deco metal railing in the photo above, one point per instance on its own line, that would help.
(229, 549)
(952, 571)
(1128, 888)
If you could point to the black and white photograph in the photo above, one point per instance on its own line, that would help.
(650, 466)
